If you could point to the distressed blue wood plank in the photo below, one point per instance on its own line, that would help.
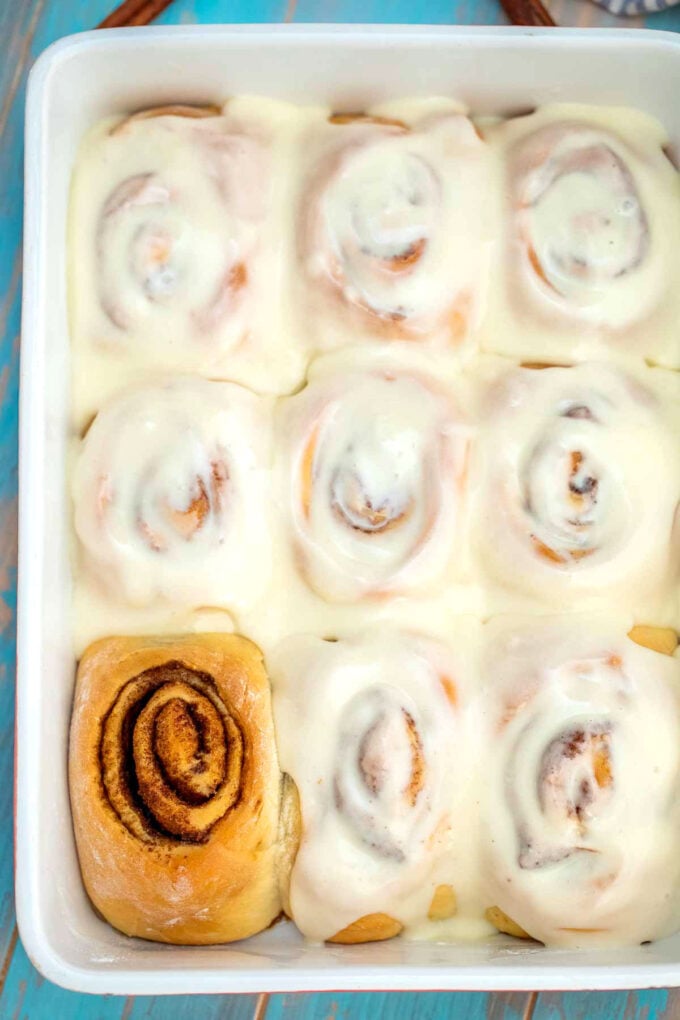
(192, 1007)
(434, 12)
(60, 19)
(215, 12)
(398, 1006)
(16, 30)
(465, 12)
(17, 25)
(645, 1005)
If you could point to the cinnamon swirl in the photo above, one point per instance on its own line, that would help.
(375, 477)
(175, 787)
(581, 790)
(169, 492)
(579, 485)
(368, 729)
(173, 250)
(393, 234)
(590, 263)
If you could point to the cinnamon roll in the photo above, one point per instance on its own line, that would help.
(581, 788)
(375, 477)
(579, 485)
(169, 491)
(175, 787)
(173, 261)
(593, 213)
(368, 728)
(393, 238)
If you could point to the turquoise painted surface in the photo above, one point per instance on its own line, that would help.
(25, 30)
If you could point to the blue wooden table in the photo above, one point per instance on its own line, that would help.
(26, 28)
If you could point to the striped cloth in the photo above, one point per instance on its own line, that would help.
(634, 7)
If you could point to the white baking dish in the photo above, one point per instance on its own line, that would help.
(76, 82)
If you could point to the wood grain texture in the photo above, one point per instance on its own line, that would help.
(25, 29)
(402, 1006)
(644, 1005)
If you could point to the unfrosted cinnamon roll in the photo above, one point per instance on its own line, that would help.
(368, 729)
(173, 247)
(579, 484)
(593, 210)
(392, 236)
(169, 491)
(581, 788)
(175, 787)
(375, 478)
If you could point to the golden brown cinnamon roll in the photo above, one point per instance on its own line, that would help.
(581, 790)
(593, 209)
(169, 494)
(392, 232)
(579, 484)
(175, 787)
(375, 477)
(367, 728)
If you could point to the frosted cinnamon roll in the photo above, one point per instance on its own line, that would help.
(169, 493)
(592, 217)
(375, 470)
(579, 484)
(581, 790)
(173, 232)
(392, 235)
(369, 730)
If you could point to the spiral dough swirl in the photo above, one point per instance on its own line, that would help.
(571, 459)
(376, 796)
(171, 755)
(581, 808)
(176, 251)
(385, 212)
(589, 239)
(378, 462)
(167, 489)
(175, 235)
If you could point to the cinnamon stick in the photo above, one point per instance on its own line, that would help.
(528, 12)
(134, 12)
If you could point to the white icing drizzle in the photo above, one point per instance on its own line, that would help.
(592, 216)
(578, 485)
(370, 728)
(394, 237)
(169, 490)
(375, 457)
(581, 792)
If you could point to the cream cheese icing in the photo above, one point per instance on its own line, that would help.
(169, 490)
(395, 233)
(374, 481)
(581, 796)
(359, 490)
(588, 265)
(577, 484)
(373, 730)
(178, 239)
